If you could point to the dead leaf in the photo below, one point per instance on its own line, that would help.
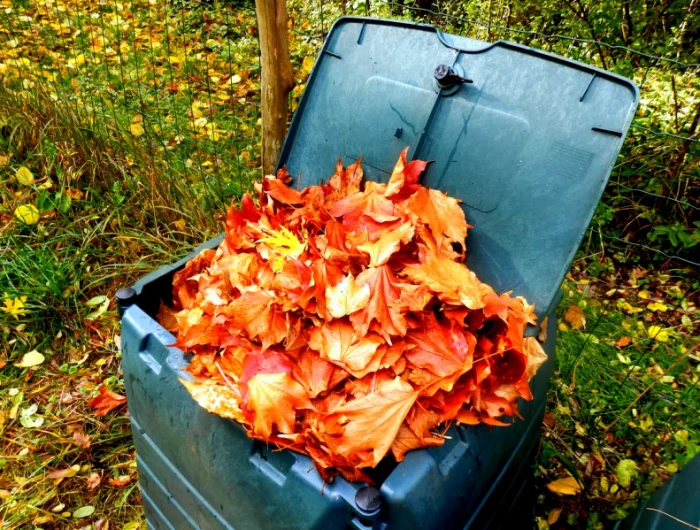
(93, 481)
(623, 341)
(565, 486)
(120, 481)
(542, 336)
(106, 401)
(81, 439)
(554, 515)
(575, 317)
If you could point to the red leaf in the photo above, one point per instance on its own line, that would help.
(106, 401)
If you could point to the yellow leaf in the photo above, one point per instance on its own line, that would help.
(24, 176)
(235, 79)
(284, 243)
(643, 295)
(575, 317)
(656, 333)
(136, 126)
(657, 306)
(553, 516)
(27, 213)
(307, 64)
(31, 359)
(136, 129)
(346, 297)
(565, 486)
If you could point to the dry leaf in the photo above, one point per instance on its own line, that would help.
(106, 401)
(93, 481)
(623, 341)
(554, 515)
(575, 317)
(341, 321)
(81, 439)
(565, 486)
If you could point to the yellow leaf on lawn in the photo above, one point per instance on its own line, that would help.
(136, 126)
(657, 306)
(31, 359)
(346, 297)
(657, 333)
(24, 176)
(28, 214)
(565, 486)
(307, 64)
(575, 317)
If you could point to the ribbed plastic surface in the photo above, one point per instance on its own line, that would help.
(528, 146)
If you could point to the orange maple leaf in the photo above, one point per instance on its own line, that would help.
(382, 306)
(370, 423)
(346, 297)
(453, 282)
(274, 399)
(338, 342)
(442, 213)
(404, 178)
(106, 401)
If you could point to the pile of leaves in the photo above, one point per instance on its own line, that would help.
(341, 321)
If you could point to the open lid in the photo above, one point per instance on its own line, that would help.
(526, 139)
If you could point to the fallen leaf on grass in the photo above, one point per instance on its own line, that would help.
(120, 481)
(29, 419)
(60, 474)
(106, 401)
(102, 304)
(27, 213)
(81, 439)
(59, 507)
(657, 333)
(24, 176)
(83, 511)
(624, 341)
(565, 486)
(31, 359)
(93, 481)
(575, 317)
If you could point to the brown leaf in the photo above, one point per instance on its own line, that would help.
(565, 486)
(542, 336)
(64, 473)
(575, 317)
(81, 439)
(93, 481)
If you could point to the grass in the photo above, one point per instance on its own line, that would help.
(137, 126)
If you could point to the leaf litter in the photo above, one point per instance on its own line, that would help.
(341, 321)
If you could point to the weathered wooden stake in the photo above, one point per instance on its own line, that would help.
(277, 78)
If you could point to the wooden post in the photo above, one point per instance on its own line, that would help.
(277, 78)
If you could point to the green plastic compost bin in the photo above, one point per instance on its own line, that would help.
(526, 140)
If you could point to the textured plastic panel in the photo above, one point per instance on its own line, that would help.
(528, 145)
(676, 506)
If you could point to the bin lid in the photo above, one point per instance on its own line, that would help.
(526, 139)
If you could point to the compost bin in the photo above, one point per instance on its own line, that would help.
(527, 141)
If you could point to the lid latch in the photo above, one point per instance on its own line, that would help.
(446, 77)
